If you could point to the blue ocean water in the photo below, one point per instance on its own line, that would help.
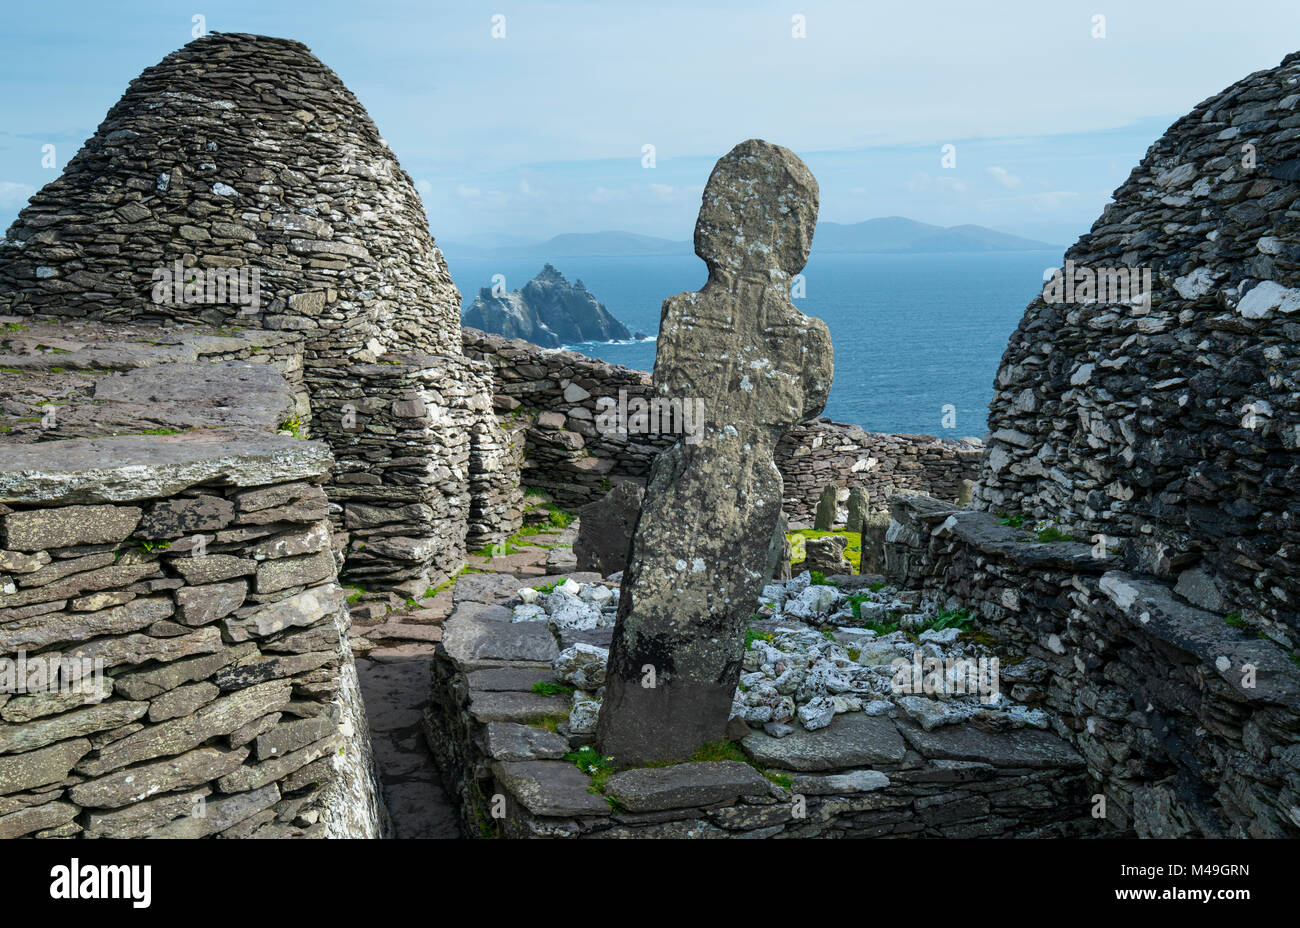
(912, 333)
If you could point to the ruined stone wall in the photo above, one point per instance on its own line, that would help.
(1190, 725)
(1174, 427)
(551, 397)
(877, 777)
(192, 579)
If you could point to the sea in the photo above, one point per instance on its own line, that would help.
(918, 337)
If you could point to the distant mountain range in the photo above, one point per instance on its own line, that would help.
(889, 235)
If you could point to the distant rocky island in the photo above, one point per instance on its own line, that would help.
(548, 311)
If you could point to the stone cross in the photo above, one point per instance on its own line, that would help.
(712, 503)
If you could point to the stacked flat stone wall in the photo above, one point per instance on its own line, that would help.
(1190, 725)
(552, 395)
(415, 439)
(192, 579)
(818, 454)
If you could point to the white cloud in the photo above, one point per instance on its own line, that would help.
(425, 188)
(607, 195)
(469, 193)
(1051, 199)
(1004, 177)
(943, 184)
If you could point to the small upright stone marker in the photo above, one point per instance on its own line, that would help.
(859, 507)
(711, 507)
(824, 517)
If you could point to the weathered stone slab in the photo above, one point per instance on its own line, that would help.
(1151, 606)
(84, 691)
(288, 737)
(508, 679)
(859, 509)
(827, 507)
(267, 772)
(594, 637)
(549, 787)
(240, 675)
(117, 575)
(1023, 747)
(851, 740)
(199, 605)
(650, 789)
(484, 611)
(41, 631)
(220, 814)
(146, 684)
(283, 573)
(301, 609)
(515, 707)
(239, 394)
(486, 588)
(510, 741)
(97, 601)
(144, 819)
(36, 818)
(14, 562)
(186, 515)
(41, 529)
(109, 470)
(183, 734)
(66, 567)
(212, 568)
(136, 649)
(317, 538)
(605, 529)
(40, 732)
(246, 733)
(271, 497)
(468, 639)
(137, 784)
(42, 766)
(853, 781)
(182, 701)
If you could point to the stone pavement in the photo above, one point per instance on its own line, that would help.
(394, 645)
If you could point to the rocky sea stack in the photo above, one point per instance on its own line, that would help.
(548, 311)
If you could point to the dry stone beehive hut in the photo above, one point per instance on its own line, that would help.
(239, 183)
(1146, 427)
(1171, 425)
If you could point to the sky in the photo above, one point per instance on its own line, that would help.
(522, 120)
